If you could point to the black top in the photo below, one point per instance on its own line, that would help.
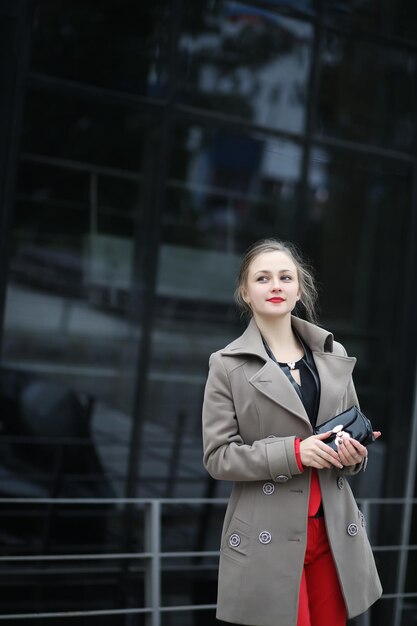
(309, 390)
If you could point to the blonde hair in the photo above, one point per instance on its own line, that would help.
(304, 271)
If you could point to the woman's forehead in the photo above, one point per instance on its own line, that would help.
(275, 260)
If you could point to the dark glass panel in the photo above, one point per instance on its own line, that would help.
(295, 5)
(113, 44)
(39, 180)
(74, 128)
(382, 612)
(71, 336)
(73, 243)
(386, 17)
(224, 190)
(111, 586)
(350, 207)
(245, 61)
(65, 528)
(227, 189)
(191, 527)
(181, 586)
(412, 555)
(358, 207)
(70, 248)
(367, 93)
(117, 198)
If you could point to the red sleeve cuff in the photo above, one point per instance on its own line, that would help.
(298, 455)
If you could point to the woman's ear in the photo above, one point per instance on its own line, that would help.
(244, 295)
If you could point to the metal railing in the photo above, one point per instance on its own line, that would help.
(153, 556)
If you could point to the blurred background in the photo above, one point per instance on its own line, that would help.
(143, 147)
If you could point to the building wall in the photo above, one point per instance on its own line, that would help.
(146, 145)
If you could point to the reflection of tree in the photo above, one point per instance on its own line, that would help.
(255, 39)
(257, 44)
(242, 60)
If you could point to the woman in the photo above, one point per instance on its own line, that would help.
(294, 549)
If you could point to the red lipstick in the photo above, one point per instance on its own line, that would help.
(276, 299)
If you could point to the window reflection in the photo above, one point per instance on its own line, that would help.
(227, 189)
(351, 224)
(367, 92)
(297, 5)
(398, 19)
(351, 206)
(247, 62)
(121, 46)
(71, 277)
(78, 128)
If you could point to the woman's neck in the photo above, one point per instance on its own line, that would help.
(280, 337)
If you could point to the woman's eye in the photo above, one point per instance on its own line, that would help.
(286, 278)
(262, 279)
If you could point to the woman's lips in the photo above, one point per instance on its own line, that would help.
(276, 300)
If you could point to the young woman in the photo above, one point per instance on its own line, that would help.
(294, 549)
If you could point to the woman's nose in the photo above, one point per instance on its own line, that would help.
(276, 285)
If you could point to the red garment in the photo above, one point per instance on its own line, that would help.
(320, 601)
(315, 494)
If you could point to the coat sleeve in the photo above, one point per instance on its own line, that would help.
(226, 456)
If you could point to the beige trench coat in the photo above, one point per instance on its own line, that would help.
(251, 416)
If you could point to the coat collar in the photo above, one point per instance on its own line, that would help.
(250, 342)
(334, 370)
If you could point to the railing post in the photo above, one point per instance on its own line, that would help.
(93, 204)
(365, 618)
(407, 513)
(153, 566)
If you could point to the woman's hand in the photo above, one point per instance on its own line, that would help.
(351, 452)
(315, 453)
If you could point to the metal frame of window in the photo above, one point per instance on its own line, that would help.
(16, 23)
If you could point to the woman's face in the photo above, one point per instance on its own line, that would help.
(272, 288)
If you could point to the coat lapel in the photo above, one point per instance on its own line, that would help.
(334, 373)
(269, 379)
(273, 383)
(334, 370)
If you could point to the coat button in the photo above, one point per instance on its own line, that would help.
(234, 540)
(265, 537)
(340, 482)
(352, 530)
(282, 478)
(268, 489)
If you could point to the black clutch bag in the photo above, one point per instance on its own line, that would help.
(351, 423)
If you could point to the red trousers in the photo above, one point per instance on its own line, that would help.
(321, 602)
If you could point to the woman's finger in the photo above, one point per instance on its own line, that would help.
(355, 447)
(352, 452)
(315, 453)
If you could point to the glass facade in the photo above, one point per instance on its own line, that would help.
(145, 146)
